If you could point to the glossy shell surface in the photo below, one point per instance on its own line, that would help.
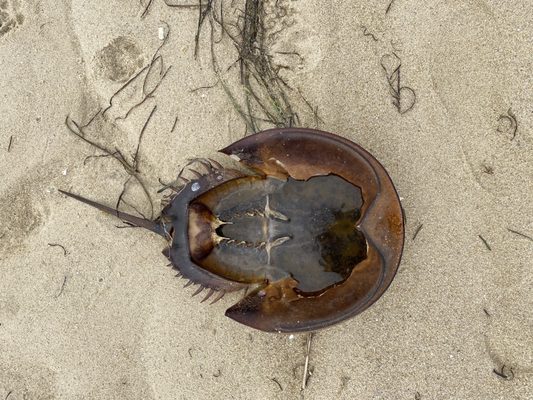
(314, 232)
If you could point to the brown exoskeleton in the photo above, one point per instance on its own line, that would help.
(316, 231)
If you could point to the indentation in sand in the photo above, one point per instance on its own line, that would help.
(10, 16)
(119, 60)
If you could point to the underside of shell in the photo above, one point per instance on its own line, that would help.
(314, 232)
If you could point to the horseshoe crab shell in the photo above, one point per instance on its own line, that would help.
(314, 233)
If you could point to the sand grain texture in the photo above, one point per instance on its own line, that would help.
(105, 319)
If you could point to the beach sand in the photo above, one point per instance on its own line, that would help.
(102, 317)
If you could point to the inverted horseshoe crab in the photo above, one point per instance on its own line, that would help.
(314, 232)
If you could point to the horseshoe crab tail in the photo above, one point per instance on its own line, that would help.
(154, 226)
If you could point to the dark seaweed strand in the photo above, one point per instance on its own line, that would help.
(513, 121)
(264, 90)
(121, 195)
(256, 68)
(62, 287)
(96, 156)
(417, 231)
(146, 69)
(389, 7)
(117, 155)
(124, 86)
(147, 9)
(204, 87)
(277, 383)
(184, 6)
(174, 124)
(203, 11)
(513, 118)
(141, 135)
(485, 242)
(501, 373)
(520, 234)
(366, 33)
(395, 87)
(146, 96)
(59, 245)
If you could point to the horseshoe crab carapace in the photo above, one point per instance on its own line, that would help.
(314, 232)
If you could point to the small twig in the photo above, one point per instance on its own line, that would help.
(174, 125)
(389, 7)
(10, 143)
(520, 234)
(59, 245)
(8, 394)
(486, 312)
(277, 383)
(417, 231)
(62, 287)
(306, 374)
(189, 351)
(485, 242)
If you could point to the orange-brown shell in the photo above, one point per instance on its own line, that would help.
(302, 154)
(323, 188)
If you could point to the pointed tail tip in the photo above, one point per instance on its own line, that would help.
(153, 226)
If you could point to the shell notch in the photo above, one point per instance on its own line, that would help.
(315, 235)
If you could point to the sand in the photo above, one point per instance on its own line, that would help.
(103, 318)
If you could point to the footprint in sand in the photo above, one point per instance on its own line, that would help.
(119, 59)
(10, 16)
